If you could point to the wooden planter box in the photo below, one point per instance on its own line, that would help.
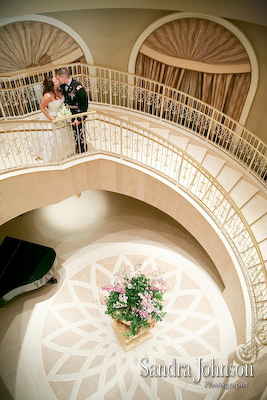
(129, 343)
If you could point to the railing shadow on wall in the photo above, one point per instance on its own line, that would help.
(20, 96)
(29, 143)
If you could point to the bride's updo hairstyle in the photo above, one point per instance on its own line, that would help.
(48, 84)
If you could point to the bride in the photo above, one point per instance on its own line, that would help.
(52, 145)
(52, 98)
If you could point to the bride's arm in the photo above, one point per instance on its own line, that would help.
(46, 99)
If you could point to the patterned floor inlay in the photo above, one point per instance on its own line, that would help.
(78, 356)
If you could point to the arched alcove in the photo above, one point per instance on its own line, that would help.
(191, 52)
(34, 40)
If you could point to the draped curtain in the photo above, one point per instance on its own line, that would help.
(198, 43)
(29, 43)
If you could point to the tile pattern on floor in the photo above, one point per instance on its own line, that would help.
(73, 352)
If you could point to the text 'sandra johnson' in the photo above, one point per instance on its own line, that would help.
(174, 370)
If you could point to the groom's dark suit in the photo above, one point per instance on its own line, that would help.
(76, 98)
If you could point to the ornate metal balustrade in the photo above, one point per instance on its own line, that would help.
(20, 96)
(35, 143)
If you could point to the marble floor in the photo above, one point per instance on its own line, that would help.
(57, 342)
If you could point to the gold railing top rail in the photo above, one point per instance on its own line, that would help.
(54, 121)
(171, 146)
(53, 68)
(111, 116)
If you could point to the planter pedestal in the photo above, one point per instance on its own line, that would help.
(129, 343)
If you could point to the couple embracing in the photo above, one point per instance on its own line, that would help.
(64, 89)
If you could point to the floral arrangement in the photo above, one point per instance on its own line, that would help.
(136, 298)
(63, 111)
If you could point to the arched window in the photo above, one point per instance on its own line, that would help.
(200, 57)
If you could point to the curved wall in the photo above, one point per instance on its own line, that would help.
(250, 11)
(40, 188)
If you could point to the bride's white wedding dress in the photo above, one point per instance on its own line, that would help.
(54, 145)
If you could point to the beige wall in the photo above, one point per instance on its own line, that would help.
(37, 189)
(257, 36)
(248, 10)
(110, 34)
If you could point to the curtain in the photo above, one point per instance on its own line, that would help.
(202, 41)
(29, 43)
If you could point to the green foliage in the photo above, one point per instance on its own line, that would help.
(137, 300)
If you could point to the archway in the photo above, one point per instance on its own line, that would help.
(233, 32)
(33, 40)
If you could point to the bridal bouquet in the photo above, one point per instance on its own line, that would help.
(135, 298)
(63, 111)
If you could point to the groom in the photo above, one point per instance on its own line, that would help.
(76, 98)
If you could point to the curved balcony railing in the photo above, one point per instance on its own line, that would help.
(20, 96)
(35, 143)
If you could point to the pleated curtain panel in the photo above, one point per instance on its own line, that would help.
(28, 43)
(201, 58)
